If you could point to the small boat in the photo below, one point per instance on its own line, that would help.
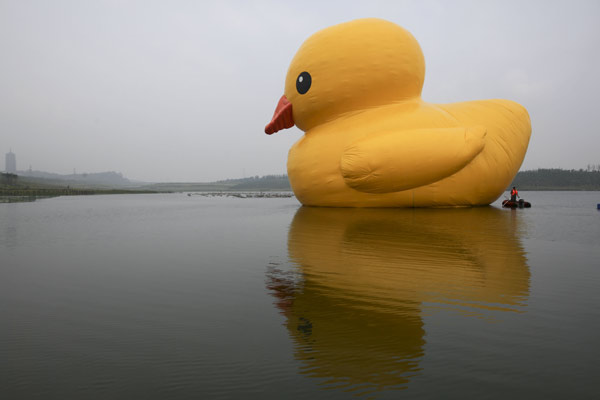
(516, 204)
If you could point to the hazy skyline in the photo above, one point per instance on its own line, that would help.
(182, 90)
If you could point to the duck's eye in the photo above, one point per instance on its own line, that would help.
(303, 82)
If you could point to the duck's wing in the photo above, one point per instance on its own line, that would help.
(394, 161)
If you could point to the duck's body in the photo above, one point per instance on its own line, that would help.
(412, 154)
(387, 147)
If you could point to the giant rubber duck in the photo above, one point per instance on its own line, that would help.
(371, 141)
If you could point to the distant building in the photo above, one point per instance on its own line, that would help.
(11, 163)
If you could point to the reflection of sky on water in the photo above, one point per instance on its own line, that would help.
(9, 223)
(365, 277)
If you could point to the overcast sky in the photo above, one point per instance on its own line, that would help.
(181, 90)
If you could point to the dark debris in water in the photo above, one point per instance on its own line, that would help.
(245, 195)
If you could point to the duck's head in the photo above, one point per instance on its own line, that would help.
(349, 67)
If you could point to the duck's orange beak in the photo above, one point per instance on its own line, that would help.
(282, 118)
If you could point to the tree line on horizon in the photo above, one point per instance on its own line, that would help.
(540, 179)
(559, 179)
(266, 182)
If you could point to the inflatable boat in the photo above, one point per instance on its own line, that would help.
(516, 204)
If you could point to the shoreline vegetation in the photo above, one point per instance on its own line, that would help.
(26, 188)
(556, 179)
(15, 188)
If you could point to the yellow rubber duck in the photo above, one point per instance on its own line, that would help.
(371, 141)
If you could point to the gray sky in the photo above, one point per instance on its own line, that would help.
(181, 90)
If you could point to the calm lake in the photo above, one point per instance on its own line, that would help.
(171, 296)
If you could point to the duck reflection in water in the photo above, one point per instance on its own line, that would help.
(354, 306)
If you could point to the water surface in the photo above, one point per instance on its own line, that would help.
(172, 296)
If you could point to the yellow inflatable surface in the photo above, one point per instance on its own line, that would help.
(371, 141)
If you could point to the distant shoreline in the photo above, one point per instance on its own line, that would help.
(24, 186)
(556, 179)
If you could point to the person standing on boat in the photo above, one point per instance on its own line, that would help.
(514, 194)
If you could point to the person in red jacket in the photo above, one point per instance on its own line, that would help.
(514, 194)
